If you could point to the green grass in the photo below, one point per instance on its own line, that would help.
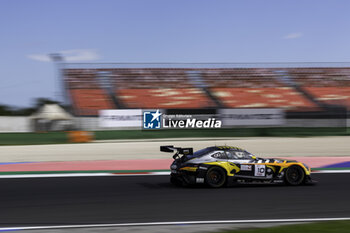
(320, 227)
(61, 137)
(32, 138)
(232, 132)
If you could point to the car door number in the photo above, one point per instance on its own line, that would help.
(259, 170)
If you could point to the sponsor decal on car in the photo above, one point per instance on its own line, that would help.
(199, 180)
(246, 167)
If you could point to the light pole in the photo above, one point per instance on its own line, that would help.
(58, 60)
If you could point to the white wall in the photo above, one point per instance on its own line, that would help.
(14, 124)
(92, 124)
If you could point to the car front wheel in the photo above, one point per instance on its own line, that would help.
(294, 175)
(215, 177)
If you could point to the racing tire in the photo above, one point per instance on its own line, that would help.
(295, 175)
(215, 177)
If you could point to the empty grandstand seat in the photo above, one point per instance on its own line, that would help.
(148, 78)
(249, 78)
(90, 101)
(331, 95)
(321, 77)
(234, 87)
(164, 98)
(328, 85)
(281, 97)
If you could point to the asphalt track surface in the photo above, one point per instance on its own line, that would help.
(132, 199)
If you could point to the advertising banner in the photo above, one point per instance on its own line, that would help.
(120, 118)
(251, 117)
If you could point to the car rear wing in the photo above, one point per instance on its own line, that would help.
(178, 150)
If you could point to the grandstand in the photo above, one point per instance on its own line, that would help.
(90, 89)
(327, 85)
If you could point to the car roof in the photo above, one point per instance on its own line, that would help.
(226, 148)
(210, 149)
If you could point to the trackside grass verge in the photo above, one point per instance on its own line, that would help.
(61, 137)
(320, 227)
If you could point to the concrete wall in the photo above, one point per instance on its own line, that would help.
(92, 124)
(317, 123)
(14, 124)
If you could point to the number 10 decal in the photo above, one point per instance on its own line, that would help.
(259, 170)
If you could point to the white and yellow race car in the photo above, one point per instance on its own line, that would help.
(217, 166)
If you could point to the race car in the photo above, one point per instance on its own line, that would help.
(217, 166)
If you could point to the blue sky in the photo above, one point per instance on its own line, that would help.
(161, 31)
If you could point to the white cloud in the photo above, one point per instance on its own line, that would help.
(73, 55)
(293, 35)
(39, 57)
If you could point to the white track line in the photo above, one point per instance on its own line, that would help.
(332, 171)
(122, 174)
(54, 175)
(175, 223)
(81, 175)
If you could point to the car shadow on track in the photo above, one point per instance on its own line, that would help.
(165, 185)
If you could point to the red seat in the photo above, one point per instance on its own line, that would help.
(164, 98)
(331, 95)
(90, 101)
(282, 97)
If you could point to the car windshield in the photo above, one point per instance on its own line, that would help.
(199, 153)
(249, 154)
(233, 154)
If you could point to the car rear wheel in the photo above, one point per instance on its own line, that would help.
(215, 177)
(294, 175)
